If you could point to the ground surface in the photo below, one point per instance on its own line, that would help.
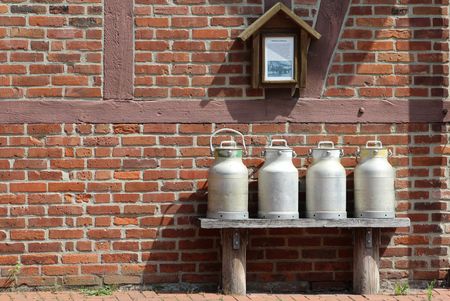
(438, 295)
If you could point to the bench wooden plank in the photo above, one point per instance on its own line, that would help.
(208, 223)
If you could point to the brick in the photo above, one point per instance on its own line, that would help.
(375, 69)
(119, 258)
(152, 22)
(69, 80)
(31, 81)
(339, 92)
(65, 210)
(12, 21)
(44, 92)
(85, 22)
(375, 22)
(375, 46)
(209, 34)
(46, 21)
(103, 234)
(189, 22)
(208, 10)
(188, 45)
(44, 247)
(99, 269)
(411, 240)
(81, 280)
(66, 187)
(83, 92)
(28, 187)
(227, 21)
(151, 45)
(65, 234)
(60, 270)
(39, 259)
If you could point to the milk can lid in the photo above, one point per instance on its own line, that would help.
(327, 149)
(375, 149)
(283, 147)
(326, 145)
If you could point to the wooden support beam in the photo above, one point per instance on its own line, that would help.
(330, 20)
(304, 45)
(234, 246)
(366, 257)
(256, 72)
(118, 50)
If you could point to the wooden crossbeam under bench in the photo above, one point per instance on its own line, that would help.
(366, 231)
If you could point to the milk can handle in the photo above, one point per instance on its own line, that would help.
(229, 142)
(375, 144)
(325, 143)
(226, 130)
(279, 141)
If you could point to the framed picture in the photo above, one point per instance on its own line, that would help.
(279, 61)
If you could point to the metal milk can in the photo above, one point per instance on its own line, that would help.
(326, 183)
(374, 183)
(278, 183)
(227, 180)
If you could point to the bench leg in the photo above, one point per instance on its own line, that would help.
(366, 258)
(234, 246)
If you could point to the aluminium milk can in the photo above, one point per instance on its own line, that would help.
(374, 183)
(228, 180)
(278, 183)
(326, 183)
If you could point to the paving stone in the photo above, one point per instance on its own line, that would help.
(262, 297)
(296, 297)
(438, 295)
(357, 298)
(183, 297)
(4, 297)
(122, 296)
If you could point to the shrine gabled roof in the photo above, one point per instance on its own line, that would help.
(272, 12)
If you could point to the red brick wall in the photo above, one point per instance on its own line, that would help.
(51, 49)
(392, 49)
(86, 204)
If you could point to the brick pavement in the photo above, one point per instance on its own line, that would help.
(438, 295)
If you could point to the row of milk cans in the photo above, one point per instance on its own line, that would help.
(278, 182)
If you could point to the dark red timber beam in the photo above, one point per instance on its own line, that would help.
(330, 19)
(229, 111)
(118, 50)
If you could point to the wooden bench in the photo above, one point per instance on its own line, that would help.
(234, 235)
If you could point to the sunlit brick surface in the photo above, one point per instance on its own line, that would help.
(88, 204)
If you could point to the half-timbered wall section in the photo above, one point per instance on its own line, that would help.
(106, 108)
(51, 49)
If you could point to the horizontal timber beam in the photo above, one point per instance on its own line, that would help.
(228, 111)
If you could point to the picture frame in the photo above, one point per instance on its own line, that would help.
(279, 59)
